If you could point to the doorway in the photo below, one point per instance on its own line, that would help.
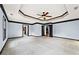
(23, 30)
(47, 30)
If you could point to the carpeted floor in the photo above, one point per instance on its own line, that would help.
(41, 46)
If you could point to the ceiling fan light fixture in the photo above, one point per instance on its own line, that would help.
(44, 15)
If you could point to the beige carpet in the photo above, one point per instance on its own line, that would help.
(40, 46)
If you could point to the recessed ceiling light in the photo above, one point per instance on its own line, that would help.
(11, 14)
(76, 7)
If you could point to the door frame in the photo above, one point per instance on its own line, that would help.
(50, 30)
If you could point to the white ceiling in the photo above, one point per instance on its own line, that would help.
(54, 10)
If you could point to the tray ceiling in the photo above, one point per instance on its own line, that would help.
(37, 11)
(31, 11)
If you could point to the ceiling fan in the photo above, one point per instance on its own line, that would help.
(44, 15)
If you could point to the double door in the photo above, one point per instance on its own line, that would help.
(47, 30)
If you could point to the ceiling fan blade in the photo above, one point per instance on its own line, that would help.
(47, 13)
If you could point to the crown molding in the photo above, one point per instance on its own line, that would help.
(65, 13)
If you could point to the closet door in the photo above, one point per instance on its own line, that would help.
(4, 27)
(43, 32)
(50, 30)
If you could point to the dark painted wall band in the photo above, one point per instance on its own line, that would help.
(45, 23)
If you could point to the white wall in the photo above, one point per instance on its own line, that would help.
(35, 30)
(1, 30)
(15, 30)
(67, 29)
